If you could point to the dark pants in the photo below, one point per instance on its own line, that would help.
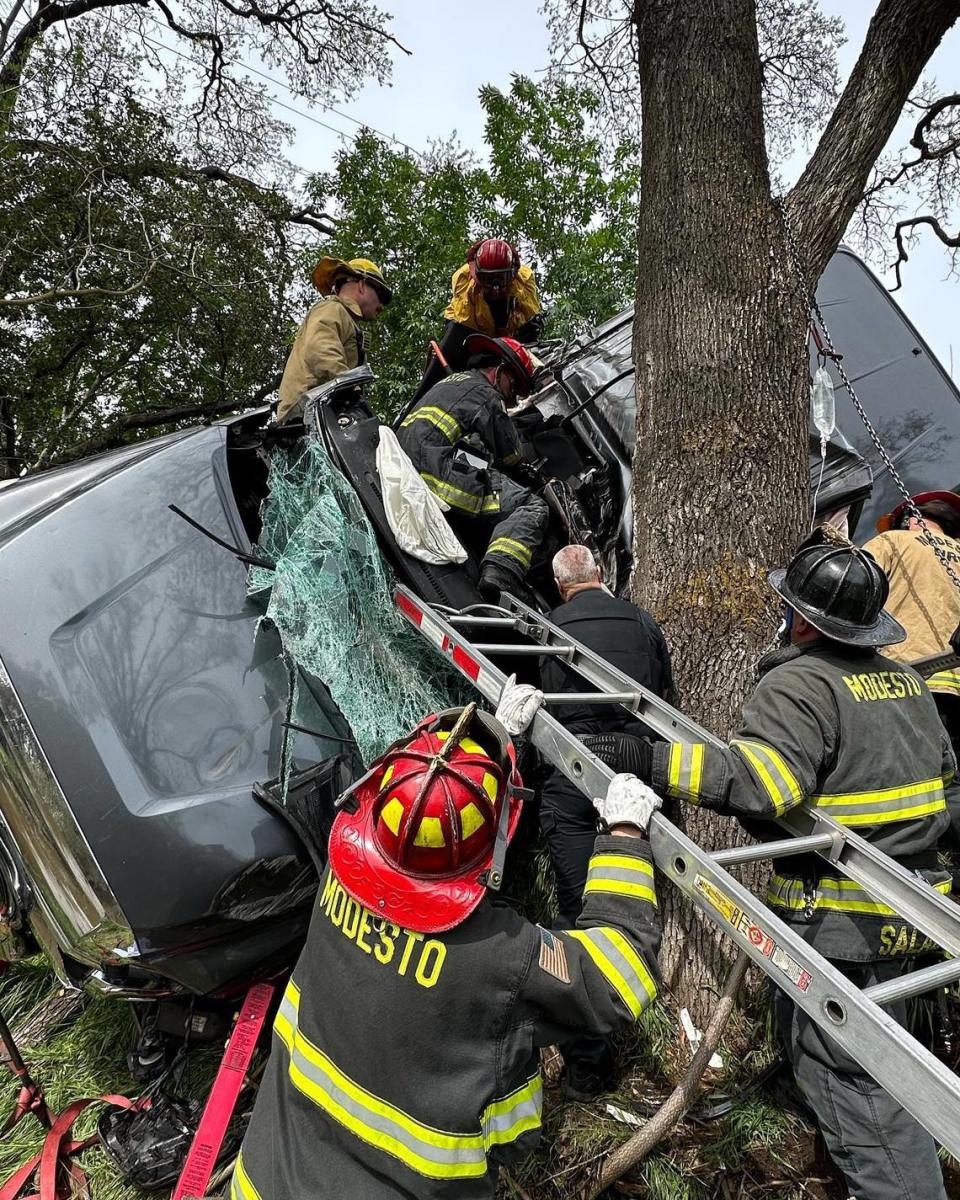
(882, 1151)
(515, 518)
(453, 350)
(569, 824)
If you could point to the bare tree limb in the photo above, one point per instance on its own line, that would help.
(900, 40)
(919, 142)
(636, 1149)
(911, 223)
(115, 434)
(47, 14)
(85, 293)
(15, 9)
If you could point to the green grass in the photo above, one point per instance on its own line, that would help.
(87, 1058)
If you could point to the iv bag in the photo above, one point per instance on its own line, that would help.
(822, 404)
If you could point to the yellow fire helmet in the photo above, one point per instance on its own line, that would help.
(329, 271)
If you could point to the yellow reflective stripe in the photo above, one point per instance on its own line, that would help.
(507, 1119)
(881, 795)
(833, 895)
(901, 814)
(696, 769)
(673, 766)
(512, 548)
(685, 771)
(444, 421)
(625, 862)
(454, 496)
(432, 1152)
(772, 771)
(886, 804)
(240, 1186)
(619, 964)
(621, 875)
(945, 681)
(621, 887)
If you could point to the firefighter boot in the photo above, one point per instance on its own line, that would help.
(496, 578)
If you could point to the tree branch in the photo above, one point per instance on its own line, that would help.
(636, 1148)
(900, 40)
(275, 202)
(53, 294)
(15, 59)
(902, 255)
(114, 434)
(919, 142)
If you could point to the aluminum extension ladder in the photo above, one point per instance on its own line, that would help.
(921, 1083)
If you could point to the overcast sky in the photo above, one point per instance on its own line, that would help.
(434, 93)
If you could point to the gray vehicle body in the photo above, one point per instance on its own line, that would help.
(142, 701)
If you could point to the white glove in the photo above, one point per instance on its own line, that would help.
(518, 706)
(629, 801)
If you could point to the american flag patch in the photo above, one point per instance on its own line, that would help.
(553, 957)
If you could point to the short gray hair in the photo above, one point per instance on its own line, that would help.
(575, 564)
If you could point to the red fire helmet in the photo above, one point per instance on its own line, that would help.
(493, 262)
(509, 352)
(892, 519)
(423, 834)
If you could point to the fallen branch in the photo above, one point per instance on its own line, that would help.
(636, 1149)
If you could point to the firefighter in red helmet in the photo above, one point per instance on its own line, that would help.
(406, 1048)
(492, 293)
(441, 436)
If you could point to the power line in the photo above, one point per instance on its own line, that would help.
(388, 137)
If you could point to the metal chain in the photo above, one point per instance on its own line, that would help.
(811, 299)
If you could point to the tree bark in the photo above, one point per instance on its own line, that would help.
(720, 473)
(721, 489)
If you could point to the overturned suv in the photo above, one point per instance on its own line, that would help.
(143, 701)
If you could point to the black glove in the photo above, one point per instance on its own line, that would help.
(531, 330)
(623, 752)
(955, 640)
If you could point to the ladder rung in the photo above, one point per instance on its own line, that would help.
(939, 975)
(921, 1083)
(507, 648)
(489, 622)
(781, 849)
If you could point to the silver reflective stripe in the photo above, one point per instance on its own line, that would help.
(621, 875)
(507, 1119)
(770, 768)
(619, 964)
(431, 1152)
(889, 804)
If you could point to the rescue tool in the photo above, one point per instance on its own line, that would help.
(852, 1017)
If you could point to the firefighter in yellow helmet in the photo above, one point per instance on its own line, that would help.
(330, 340)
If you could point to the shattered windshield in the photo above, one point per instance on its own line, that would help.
(330, 598)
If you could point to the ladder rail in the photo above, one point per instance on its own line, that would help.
(909, 1072)
(887, 882)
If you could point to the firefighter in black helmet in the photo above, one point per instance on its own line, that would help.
(834, 724)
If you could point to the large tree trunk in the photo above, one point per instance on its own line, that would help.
(720, 475)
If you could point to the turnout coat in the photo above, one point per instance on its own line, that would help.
(407, 1064)
(855, 734)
